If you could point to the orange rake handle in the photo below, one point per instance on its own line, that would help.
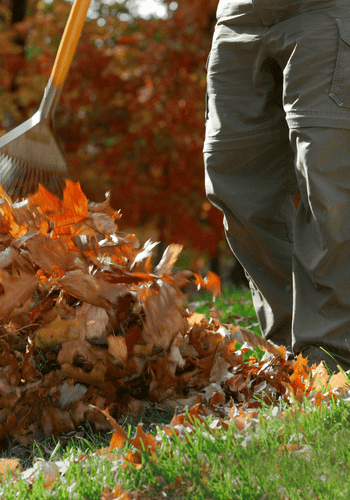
(69, 42)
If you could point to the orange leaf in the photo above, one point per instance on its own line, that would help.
(199, 281)
(75, 200)
(135, 458)
(48, 202)
(211, 282)
(117, 441)
(117, 493)
(147, 439)
(8, 223)
(5, 196)
(177, 420)
(71, 210)
(7, 464)
(119, 436)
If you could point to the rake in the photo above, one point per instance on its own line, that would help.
(31, 153)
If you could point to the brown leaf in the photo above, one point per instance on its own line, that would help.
(219, 371)
(15, 289)
(120, 436)
(101, 223)
(55, 419)
(81, 360)
(47, 253)
(105, 208)
(95, 319)
(196, 318)
(243, 335)
(118, 493)
(131, 336)
(117, 348)
(85, 287)
(77, 412)
(168, 259)
(56, 332)
(164, 318)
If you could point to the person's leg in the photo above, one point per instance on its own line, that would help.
(311, 42)
(250, 185)
(321, 261)
(249, 164)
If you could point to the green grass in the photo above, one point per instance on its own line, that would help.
(258, 463)
(234, 306)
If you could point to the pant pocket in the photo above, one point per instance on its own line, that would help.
(340, 88)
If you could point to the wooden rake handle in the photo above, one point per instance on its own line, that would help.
(69, 42)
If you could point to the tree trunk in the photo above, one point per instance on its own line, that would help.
(18, 8)
(214, 264)
(160, 248)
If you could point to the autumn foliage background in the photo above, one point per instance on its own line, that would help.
(131, 114)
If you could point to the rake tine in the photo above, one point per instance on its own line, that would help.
(33, 186)
(25, 180)
(57, 184)
(52, 183)
(36, 177)
(60, 183)
(18, 181)
(5, 171)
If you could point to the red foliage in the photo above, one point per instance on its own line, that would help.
(131, 115)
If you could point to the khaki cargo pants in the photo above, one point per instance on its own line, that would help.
(278, 122)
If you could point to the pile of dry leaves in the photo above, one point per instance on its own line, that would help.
(87, 323)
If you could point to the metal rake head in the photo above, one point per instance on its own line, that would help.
(29, 154)
(20, 178)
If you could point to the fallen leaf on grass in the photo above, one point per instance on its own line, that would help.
(119, 431)
(111, 333)
(117, 493)
(8, 465)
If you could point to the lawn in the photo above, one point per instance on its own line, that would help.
(304, 455)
